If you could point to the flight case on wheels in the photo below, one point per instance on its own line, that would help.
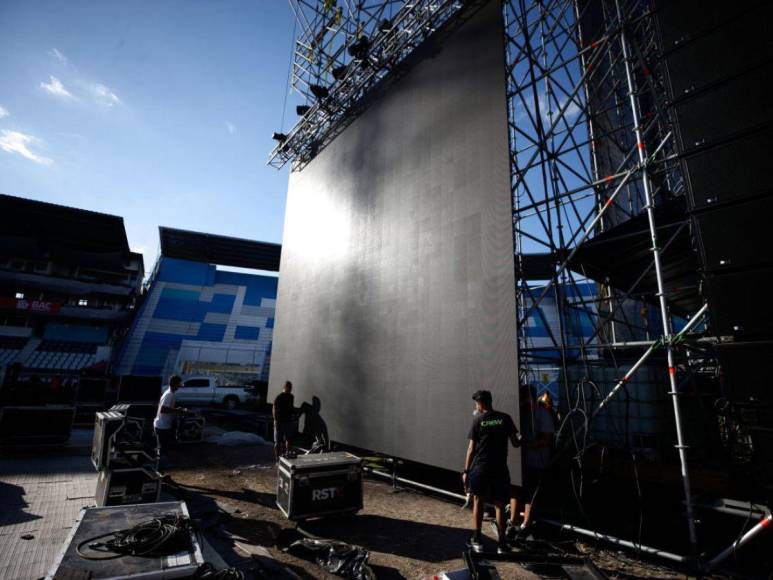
(319, 484)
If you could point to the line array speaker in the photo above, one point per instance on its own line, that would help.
(719, 62)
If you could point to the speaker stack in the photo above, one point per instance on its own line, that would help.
(90, 397)
(36, 425)
(719, 58)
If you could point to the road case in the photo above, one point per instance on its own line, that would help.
(190, 427)
(127, 486)
(319, 484)
(94, 522)
(120, 442)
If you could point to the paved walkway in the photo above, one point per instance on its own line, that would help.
(40, 496)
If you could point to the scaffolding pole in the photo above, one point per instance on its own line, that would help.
(661, 295)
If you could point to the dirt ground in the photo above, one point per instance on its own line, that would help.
(408, 534)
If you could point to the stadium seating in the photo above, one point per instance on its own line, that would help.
(61, 355)
(10, 346)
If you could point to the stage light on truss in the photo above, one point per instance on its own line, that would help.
(385, 25)
(281, 137)
(302, 109)
(359, 49)
(339, 72)
(319, 91)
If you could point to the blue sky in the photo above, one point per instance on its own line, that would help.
(157, 111)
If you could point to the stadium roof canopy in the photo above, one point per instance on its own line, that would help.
(47, 231)
(220, 250)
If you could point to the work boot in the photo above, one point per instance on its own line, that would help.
(503, 548)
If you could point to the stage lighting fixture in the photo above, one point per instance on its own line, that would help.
(281, 137)
(302, 109)
(319, 91)
(359, 49)
(339, 72)
(385, 25)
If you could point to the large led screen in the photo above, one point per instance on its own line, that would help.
(396, 295)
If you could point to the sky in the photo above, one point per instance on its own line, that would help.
(157, 111)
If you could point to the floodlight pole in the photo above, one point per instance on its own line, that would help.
(665, 319)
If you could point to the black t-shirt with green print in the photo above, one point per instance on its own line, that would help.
(491, 432)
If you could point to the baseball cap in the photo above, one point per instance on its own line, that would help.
(483, 396)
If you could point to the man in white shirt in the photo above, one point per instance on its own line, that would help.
(164, 421)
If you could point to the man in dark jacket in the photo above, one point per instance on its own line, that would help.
(284, 426)
(485, 467)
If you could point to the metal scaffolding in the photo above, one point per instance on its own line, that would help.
(343, 50)
(592, 148)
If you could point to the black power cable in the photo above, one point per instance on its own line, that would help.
(160, 536)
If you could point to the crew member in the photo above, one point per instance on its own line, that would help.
(284, 406)
(164, 421)
(538, 424)
(485, 466)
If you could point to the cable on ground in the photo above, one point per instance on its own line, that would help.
(153, 538)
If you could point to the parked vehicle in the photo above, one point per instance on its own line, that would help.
(205, 391)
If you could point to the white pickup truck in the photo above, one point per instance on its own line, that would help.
(205, 391)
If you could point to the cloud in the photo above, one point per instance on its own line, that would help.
(231, 127)
(546, 106)
(3, 112)
(15, 142)
(104, 96)
(59, 56)
(56, 88)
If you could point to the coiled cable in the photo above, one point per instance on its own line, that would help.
(160, 536)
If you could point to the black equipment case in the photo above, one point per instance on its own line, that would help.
(120, 442)
(319, 484)
(190, 427)
(127, 486)
(96, 524)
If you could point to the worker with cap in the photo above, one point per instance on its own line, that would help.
(485, 466)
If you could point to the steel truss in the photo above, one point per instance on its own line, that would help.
(345, 48)
(591, 147)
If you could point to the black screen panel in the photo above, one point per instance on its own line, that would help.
(396, 288)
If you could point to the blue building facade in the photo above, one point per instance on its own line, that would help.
(196, 319)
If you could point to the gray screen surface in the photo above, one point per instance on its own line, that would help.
(396, 292)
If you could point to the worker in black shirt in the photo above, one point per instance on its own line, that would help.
(284, 427)
(485, 466)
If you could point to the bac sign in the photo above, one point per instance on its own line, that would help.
(29, 305)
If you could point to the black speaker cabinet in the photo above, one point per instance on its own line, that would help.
(44, 425)
(707, 41)
(91, 390)
(741, 369)
(736, 236)
(127, 486)
(739, 306)
(139, 389)
(730, 171)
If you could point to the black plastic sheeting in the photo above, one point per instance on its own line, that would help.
(340, 558)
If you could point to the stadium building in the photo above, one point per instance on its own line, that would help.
(197, 319)
(68, 286)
